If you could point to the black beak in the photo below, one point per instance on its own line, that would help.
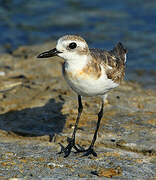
(47, 54)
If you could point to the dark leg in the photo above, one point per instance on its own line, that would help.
(71, 141)
(80, 108)
(90, 150)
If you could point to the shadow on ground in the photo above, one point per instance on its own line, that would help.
(38, 121)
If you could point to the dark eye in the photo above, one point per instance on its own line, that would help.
(72, 45)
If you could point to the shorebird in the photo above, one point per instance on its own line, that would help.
(89, 72)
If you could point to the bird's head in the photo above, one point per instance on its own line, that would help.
(69, 47)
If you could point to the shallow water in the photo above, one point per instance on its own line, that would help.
(102, 23)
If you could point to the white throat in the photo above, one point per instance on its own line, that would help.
(76, 62)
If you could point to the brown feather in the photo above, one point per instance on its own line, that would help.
(113, 63)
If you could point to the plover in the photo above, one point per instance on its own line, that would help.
(89, 72)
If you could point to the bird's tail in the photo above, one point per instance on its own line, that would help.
(120, 51)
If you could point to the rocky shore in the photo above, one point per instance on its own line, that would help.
(38, 111)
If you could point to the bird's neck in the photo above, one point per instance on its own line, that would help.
(77, 63)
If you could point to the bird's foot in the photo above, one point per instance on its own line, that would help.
(89, 151)
(71, 144)
(67, 150)
(79, 149)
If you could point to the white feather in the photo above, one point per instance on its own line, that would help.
(125, 57)
(89, 86)
(74, 63)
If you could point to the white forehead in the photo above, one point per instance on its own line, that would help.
(63, 43)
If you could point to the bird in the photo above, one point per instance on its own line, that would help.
(89, 72)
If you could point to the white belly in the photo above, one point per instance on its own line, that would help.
(88, 86)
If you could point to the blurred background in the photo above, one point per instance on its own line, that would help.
(102, 23)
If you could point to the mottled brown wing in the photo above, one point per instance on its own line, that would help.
(114, 65)
(104, 57)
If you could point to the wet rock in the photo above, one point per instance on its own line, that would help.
(38, 111)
